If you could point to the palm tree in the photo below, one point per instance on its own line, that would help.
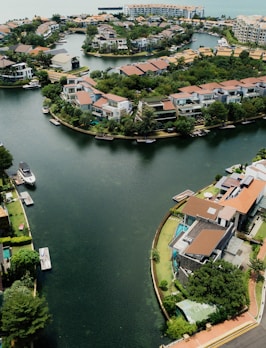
(257, 266)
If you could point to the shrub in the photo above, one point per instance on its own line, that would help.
(21, 240)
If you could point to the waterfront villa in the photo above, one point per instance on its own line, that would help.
(11, 71)
(81, 93)
(209, 226)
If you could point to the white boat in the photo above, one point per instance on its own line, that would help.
(146, 140)
(33, 84)
(26, 174)
(45, 110)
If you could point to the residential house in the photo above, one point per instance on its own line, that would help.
(65, 62)
(146, 67)
(129, 70)
(10, 71)
(164, 109)
(208, 232)
(81, 93)
(257, 170)
(161, 64)
(83, 101)
(244, 194)
(187, 104)
(4, 222)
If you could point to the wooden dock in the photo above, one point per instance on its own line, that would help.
(26, 198)
(183, 195)
(45, 259)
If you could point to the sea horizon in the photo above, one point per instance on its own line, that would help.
(31, 8)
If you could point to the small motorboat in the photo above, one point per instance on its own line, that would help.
(26, 174)
(33, 84)
(45, 110)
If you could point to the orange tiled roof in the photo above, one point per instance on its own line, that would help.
(205, 242)
(246, 197)
(83, 98)
(131, 70)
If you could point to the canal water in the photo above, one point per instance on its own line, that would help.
(97, 207)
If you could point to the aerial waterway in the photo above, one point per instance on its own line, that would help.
(97, 206)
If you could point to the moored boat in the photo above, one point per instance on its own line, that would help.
(45, 110)
(26, 174)
(33, 84)
(146, 140)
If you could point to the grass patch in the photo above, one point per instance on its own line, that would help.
(261, 234)
(16, 215)
(15, 249)
(258, 290)
(212, 189)
(164, 267)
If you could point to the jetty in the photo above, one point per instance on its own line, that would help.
(233, 168)
(54, 122)
(183, 195)
(26, 198)
(45, 259)
(104, 137)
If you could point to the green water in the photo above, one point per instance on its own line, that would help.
(97, 206)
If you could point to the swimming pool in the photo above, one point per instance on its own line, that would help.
(180, 228)
(6, 253)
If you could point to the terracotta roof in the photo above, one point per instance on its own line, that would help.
(168, 105)
(190, 89)
(229, 83)
(201, 207)
(145, 67)
(114, 97)
(205, 242)
(246, 197)
(131, 70)
(159, 63)
(83, 98)
(38, 49)
(100, 102)
(251, 80)
(211, 85)
(90, 81)
(5, 63)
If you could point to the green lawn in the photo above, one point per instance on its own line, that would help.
(261, 234)
(16, 215)
(164, 268)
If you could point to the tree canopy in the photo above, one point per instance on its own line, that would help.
(219, 283)
(24, 261)
(5, 160)
(23, 315)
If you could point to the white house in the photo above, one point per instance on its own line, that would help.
(65, 62)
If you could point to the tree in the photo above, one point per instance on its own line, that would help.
(177, 327)
(184, 125)
(257, 266)
(6, 160)
(24, 261)
(23, 315)
(148, 123)
(216, 113)
(219, 283)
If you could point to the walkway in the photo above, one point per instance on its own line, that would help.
(230, 329)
